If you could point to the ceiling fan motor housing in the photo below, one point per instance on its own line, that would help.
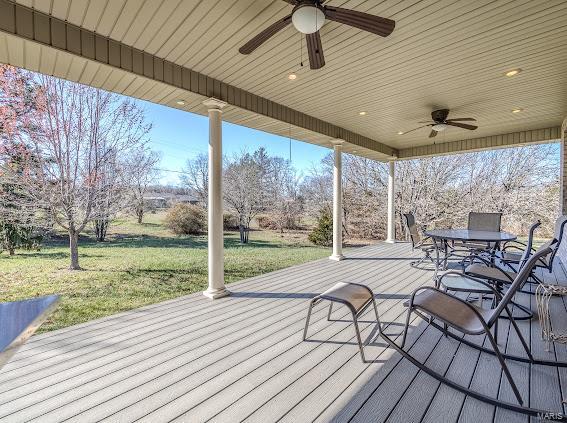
(440, 115)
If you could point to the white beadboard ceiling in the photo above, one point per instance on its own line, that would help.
(443, 54)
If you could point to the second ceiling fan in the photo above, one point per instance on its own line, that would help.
(439, 122)
(308, 16)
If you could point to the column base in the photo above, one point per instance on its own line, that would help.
(391, 241)
(214, 294)
(337, 257)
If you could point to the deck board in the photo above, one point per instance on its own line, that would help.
(242, 358)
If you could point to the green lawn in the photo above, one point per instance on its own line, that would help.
(139, 265)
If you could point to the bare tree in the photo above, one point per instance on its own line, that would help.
(245, 187)
(284, 201)
(84, 132)
(142, 172)
(196, 177)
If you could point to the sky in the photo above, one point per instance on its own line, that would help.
(180, 136)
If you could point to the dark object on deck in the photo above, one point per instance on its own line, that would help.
(19, 320)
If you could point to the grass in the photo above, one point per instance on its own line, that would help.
(139, 265)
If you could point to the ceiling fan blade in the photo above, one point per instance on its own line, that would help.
(463, 119)
(415, 129)
(292, 2)
(374, 24)
(265, 35)
(315, 50)
(432, 134)
(462, 125)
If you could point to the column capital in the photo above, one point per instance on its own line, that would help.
(564, 128)
(337, 142)
(214, 104)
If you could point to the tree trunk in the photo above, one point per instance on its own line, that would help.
(11, 251)
(74, 248)
(140, 214)
(243, 234)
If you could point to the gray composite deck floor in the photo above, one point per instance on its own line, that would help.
(242, 358)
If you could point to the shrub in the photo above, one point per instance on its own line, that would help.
(322, 234)
(186, 219)
(229, 221)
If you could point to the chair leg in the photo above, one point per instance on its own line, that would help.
(406, 326)
(504, 367)
(330, 311)
(377, 318)
(307, 320)
(496, 331)
(359, 339)
(517, 329)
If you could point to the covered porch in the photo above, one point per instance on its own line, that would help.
(242, 357)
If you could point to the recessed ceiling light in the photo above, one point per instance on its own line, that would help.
(400, 133)
(517, 110)
(354, 151)
(180, 102)
(513, 72)
(292, 77)
(362, 113)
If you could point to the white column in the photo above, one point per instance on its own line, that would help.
(337, 204)
(563, 170)
(391, 235)
(216, 287)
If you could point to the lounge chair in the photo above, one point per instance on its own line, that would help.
(434, 305)
(418, 242)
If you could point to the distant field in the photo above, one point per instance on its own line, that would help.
(139, 265)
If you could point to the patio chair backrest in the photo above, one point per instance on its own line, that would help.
(484, 222)
(415, 236)
(557, 239)
(530, 243)
(519, 281)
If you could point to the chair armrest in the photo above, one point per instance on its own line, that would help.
(480, 281)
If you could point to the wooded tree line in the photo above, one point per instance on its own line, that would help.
(70, 156)
(521, 183)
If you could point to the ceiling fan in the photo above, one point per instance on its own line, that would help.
(440, 123)
(308, 16)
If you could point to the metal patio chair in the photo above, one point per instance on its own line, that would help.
(418, 242)
(480, 221)
(463, 318)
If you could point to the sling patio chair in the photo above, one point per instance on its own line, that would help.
(486, 269)
(490, 222)
(483, 268)
(418, 242)
(461, 318)
(508, 256)
(512, 251)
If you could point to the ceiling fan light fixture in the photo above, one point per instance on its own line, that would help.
(308, 18)
(439, 127)
(292, 77)
(180, 102)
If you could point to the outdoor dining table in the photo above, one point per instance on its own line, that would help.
(442, 237)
